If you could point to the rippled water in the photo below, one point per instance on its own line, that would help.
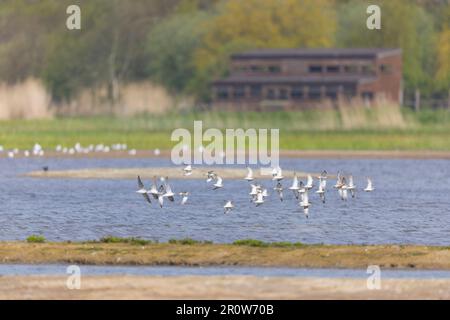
(410, 205)
(55, 269)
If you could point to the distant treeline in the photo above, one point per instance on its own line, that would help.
(184, 44)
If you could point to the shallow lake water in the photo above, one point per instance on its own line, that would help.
(411, 205)
(59, 269)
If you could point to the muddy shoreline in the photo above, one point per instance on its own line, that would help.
(295, 256)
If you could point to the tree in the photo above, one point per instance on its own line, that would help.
(403, 25)
(443, 53)
(170, 49)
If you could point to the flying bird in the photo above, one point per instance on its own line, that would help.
(218, 184)
(187, 170)
(142, 190)
(228, 206)
(369, 187)
(279, 189)
(184, 196)
(351, 186)
(249, 176)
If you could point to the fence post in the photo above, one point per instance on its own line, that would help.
(417, 100)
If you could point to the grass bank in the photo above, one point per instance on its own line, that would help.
(188, 252)
(358, 129)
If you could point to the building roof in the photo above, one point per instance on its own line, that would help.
(294, 79)
(321, 53)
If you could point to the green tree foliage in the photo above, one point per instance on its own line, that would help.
(171, 47)
(25, 27)
(403, 25)
(443, 52)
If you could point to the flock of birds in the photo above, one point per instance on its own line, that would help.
(38, 151)
(258, 194)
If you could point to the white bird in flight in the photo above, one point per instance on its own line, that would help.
(351, 186)
(142, 190)
(304, 203)
(259, 199)
(279, 188)
(228, 206)
(218, 184)
(168, 190)
(184, 196)
(277, 174)
(249, 176)
(309, 182)
(369, 187)
(154, 189)
(187, 170)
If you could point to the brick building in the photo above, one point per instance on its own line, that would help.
(288, 79)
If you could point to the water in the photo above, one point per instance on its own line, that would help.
(411, 205)
(59, 269)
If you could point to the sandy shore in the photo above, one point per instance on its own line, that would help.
(304, 256)
(150, 172)
(217, 287)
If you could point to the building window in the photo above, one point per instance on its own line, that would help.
(315, 69)
(255, 91)
(314, 92)
(331, 92)
(333, 69)
(283, 94)
(349, 91)
(222, 93)
(350, 69)
(239, 92)
(274, 69)
(367, 69)
(256, 68)
(271, 94)
(367, 95)
(386, 68)
(297, 93)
